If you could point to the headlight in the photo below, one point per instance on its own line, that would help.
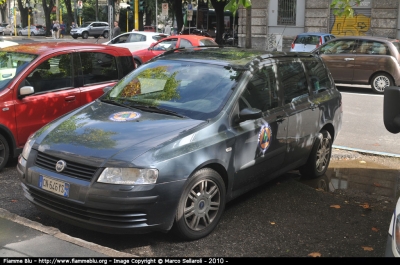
(27, 147)
(128, 176)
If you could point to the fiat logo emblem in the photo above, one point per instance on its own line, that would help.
(61, 165)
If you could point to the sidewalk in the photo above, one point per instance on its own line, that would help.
(20, 237)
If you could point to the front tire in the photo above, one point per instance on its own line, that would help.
(4, 152)
(105, 35)
(137, 63)
(85, 35)
(201, 205)
(380, 81)
(20, 33)
(319, 158)
(75, 37)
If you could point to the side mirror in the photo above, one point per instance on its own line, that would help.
(26, 90)
(391, 109)
(248, 114)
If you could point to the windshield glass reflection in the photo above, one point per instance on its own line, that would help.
(193, 90)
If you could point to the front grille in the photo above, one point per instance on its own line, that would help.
(75, 170)
(105, 217)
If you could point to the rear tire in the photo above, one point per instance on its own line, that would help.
(106, 35)
(75, 37)
(319, 158)
(380, 81)
(201, 205)
(4, 152)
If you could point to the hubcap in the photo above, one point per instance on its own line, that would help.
(323, 152)
(202, 205)
(381, 82)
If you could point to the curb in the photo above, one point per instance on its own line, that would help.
(57, 234)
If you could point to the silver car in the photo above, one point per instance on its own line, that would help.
(9, 30)
(37, 30)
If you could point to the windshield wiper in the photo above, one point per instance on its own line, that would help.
(157, 110)
(113, 102)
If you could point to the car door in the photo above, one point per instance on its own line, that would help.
(260, 144)
(339, 56)
(54, 95)
(301, 111)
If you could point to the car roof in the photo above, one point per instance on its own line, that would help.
(235, 57)
(314, 33)
(187, 36)
(45, 48)
(366, 38)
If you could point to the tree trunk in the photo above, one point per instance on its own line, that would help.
(47, 11)
(70, 15)
(219, 15)
(177, 7)
(248, 28)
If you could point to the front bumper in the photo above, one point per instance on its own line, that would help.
(116, 209)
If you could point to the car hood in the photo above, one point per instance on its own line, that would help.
(101, 132)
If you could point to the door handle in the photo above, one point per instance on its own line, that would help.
(70, 98)
(349, 59)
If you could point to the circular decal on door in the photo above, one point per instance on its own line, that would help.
(124, 116)
(264, 137)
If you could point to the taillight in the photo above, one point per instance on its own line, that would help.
(293, 43)
(320, 42)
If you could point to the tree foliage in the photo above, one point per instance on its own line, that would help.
(344, 7)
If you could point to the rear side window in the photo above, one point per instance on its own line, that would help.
(294, 81)
(372, 47)
(185, 44)
(127, 65)
(98, 67)
(318, 75)
(206, 42)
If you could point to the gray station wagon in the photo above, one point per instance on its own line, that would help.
(180, 136)
(363, 60)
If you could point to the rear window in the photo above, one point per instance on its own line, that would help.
(397, 45)
(207, 42)
(307, 39)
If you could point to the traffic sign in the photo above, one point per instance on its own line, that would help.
(164, 9)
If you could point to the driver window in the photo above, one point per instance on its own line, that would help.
(338, 47)
(185, 44)
(166, 45)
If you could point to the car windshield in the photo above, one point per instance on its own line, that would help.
(11, 63)
(195, 90)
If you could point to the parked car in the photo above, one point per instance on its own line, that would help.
(179, 137)
(363, 60)
(9, 30)
(306, 42)
(173, 42)
(2, 27)
(136, 40)
(391, 116)
(42, 81)
(89, 29)
(35, 30)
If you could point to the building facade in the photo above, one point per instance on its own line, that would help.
(275, 23)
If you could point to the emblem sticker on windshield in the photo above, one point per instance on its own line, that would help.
(264, 137)
(124, 116)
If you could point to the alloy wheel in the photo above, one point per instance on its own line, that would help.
(202, 204)
(323, 154)
(380, 82)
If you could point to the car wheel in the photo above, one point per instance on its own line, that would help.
(85, 35)
(4, 152)
(32, 33)
(105, 35)
(319, 158)
(11, 33)
(20, 33)
(380, 81)
(137, 63)
(2, 33)
(201, 205)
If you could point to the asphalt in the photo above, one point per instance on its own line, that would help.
(21, 237)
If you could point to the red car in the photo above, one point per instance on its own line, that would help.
(42, 81)
(142, 56)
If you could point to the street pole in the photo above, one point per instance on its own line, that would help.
(57, 11)
(156, 17)
(136, 14)
(127, 22)
(75, 10)
(15, 21)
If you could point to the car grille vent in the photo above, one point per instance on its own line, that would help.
(119, 219)
(74, 170)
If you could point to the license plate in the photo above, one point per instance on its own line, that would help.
(54, 186)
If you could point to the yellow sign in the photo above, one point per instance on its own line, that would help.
(354, 26)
